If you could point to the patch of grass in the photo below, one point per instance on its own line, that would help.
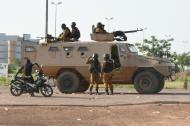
(178, 84)
(2, 79)
(5, 81)
(184, 78)
(174, 85)
(129, 86)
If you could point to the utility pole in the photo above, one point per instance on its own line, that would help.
(56, 5)
(46, 21)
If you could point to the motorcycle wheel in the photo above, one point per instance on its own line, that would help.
(46, 90)
(16, 89)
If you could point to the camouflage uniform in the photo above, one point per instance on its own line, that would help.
(107, 74)
(65, 35)
(100, 28)
(75, 32)
(95, 69)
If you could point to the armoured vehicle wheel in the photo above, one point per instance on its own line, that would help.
(161, 85)
(68, 82)
(83, 87)
(146, 82)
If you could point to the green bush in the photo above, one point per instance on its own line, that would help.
(12, 68)
(3, 80)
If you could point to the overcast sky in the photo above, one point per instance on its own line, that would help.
(161, 18)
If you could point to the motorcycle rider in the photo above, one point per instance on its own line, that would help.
(27, 71)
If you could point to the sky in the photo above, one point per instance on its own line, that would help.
(162, 18)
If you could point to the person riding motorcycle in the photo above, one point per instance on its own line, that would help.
(27, 71)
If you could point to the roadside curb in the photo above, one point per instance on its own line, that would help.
(130, 104)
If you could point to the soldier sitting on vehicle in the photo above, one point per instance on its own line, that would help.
(95, 71)
(75, 33)
(100, 28)
(65, 35)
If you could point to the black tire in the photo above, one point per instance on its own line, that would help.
(16, 89)
(68, 82)
(83, 87)
(46, 90)
(161, 84)
(146, 83)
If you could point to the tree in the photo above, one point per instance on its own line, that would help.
(183, 60)
(160, 48)
(155, 47)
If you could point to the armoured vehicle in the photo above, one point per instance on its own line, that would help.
(66, 61)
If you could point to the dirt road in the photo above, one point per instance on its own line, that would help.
(122, 97)
(125, 108)
(132, 115)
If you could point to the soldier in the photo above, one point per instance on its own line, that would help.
(100, 28)
(107, 69)
(95, 70)
(75, 33)
(65, 35)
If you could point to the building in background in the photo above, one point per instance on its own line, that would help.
(11, 47)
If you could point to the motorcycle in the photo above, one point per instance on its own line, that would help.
(21, 85)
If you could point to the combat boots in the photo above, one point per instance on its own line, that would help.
(106, 91)
(97, 93)
(111, 89)
(91, 87)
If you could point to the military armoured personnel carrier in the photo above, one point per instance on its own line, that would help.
(66, 61)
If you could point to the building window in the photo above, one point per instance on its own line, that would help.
(30, 49)
(18, 55)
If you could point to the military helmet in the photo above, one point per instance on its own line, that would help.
(99, 24)
(106, 56)
(63, 26)
(95, 55)
(73, 24)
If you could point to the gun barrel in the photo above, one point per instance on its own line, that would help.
(132, 31)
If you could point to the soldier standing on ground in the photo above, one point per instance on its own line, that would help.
(107, 69)
(65, 35)
(75, 33)
(95, 71)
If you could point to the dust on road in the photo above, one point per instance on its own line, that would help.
(132, 115)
